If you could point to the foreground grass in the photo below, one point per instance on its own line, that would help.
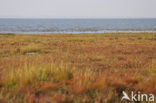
(81, 68)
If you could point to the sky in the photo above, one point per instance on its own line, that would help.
(77, 8)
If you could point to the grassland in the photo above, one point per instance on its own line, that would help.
(76, 68)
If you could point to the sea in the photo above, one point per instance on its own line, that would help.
(50, 26)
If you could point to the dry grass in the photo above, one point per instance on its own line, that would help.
(81, 68)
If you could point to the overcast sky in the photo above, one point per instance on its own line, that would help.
(78, 8)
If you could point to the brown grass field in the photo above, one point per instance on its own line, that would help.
(76, 68)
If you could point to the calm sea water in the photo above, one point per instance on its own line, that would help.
(76, 25)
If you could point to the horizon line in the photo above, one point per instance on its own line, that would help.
(78, 18)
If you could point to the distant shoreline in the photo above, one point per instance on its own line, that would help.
(38, 33)
(77, 33)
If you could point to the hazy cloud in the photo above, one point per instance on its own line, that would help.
(78, 8)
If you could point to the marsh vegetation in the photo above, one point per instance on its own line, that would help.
(76, 68)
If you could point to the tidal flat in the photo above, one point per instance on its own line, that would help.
(76, 68)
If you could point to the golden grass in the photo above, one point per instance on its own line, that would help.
(76, 68)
